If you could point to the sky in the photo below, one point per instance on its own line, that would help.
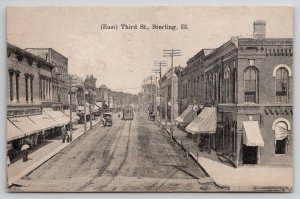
(122, 58)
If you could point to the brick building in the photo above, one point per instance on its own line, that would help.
(59, 75)
(29, 88)
(191, 81)
(166, 93)
(149, 89)
(249, 84)
(102, 96)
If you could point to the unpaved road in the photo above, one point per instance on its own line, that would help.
(130, 156)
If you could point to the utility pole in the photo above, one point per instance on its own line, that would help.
(160, 64)
(84, 108)
(155, 103)
(172, 53)
(70, 106)
(90, 109)
(151, 94)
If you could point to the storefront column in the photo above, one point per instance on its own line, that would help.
(239, 148)
(258, 155)
(50, 89)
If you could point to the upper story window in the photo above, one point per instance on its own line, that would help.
(227, 84)
(11, 85)
(26, 86)
(234, 87)
(282, 74)
(17, 75)
(251, 84)
(210, 86)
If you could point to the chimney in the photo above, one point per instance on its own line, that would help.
(259, 29)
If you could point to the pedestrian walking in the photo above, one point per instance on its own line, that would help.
(68, 137)
(63, 134)
(24, 151)
(8, 158)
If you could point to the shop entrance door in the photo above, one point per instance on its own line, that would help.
(250, 154)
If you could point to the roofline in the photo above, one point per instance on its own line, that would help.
(49, 49)
(9, 45)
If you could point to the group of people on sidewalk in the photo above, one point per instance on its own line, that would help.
(66, 136)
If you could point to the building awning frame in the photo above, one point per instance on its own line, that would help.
(187, 116)
(205, 122)
(251, 134)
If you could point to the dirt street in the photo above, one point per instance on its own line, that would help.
(130, 156)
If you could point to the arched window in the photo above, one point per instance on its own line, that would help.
(250, 82)
(281, 137)
(282, 85)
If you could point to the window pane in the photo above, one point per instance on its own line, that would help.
(250, 77)
(280, 147)
(281, 85)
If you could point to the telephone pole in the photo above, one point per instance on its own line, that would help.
(84, 108)
(70, 105)
(160, 64)
(172, 53)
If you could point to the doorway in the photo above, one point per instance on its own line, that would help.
(250, 154)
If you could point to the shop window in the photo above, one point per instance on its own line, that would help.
(282, 85)
(281, 138)
(250, 82)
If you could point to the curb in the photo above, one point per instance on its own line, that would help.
(36, 165)
(195, 160)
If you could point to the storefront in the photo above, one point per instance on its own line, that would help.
(252, 141)
(204, 125)
(187, 116)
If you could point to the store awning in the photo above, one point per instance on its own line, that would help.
(251, 134)
(74, 115)
(13, 132)
(58, 116)
(25, 125)
(205, 122)
(44, 121)
(187, 116)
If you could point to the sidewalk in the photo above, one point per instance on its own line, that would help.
(19, 169)
(243, 178)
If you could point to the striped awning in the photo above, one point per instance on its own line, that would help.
(205, 122)
(25, 125)
(187, 115)
(44, 121)
(251, 134)
(58, 116)
(13, 132)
